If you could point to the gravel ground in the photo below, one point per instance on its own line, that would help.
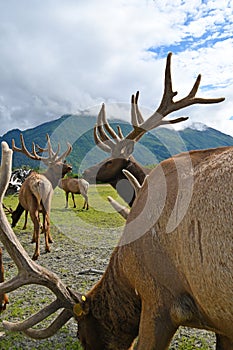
(67, 258)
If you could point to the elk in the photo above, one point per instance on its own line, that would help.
(172, 266)
(36, 192)
(110, 170)
(75, 186)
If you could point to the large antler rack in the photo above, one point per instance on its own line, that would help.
(29, 272)
(52, 155)
(141, 126)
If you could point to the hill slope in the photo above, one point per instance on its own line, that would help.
(78, 130)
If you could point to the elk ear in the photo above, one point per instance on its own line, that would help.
(82, 307)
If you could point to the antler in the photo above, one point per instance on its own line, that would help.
(29, 272)
(103, 140)
(52, 156)
(140, 127)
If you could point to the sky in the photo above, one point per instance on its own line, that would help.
(65, 56)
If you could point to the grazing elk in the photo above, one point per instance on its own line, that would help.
(36, 192)
(172, 266)
(75, 186)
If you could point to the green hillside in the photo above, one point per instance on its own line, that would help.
(78, 130)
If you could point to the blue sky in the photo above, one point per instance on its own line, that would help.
(63, 56)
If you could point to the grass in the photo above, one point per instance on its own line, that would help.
(93, 235)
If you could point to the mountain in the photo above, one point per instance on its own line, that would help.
(154, 146)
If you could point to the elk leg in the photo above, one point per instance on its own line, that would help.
(36, 233)
(25, 220)
(67, 197)
(223, 343)
(73, 200)
(156, 328)
(86, 205)
(46, 230)
(49, 235)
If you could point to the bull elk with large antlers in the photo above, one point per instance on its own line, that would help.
(36, 192)
(172, 267)
(110, 169)
(121, 148)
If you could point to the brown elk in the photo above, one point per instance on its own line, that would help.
(36, 192)
(171, 268)
(121, 148)
(75, 186)
(110, 169)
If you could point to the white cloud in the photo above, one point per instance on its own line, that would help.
(62, 56)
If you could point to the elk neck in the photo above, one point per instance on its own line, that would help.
(123, 186)
(53, 176)
(137, 170)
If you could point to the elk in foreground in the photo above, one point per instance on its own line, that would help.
(75, 186)
(36, 192)
(172, 267)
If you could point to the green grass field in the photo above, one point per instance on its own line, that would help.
(82, 239)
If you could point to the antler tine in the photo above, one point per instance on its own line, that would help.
(133, 180)
(123, 211)
(101, 123)
(120, 133)
(50, 149)
(107, 126)
(64, 317)
(136, 116)
(134, 119)
(100, 143)
(139, 115)
(41, 149)
(64, 154)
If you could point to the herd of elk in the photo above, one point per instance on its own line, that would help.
(36, 192)
(75, 186)
(172, 266)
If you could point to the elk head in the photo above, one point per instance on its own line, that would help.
(56, 165)
(121, 148)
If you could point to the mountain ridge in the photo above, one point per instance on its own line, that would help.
(154, 146)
